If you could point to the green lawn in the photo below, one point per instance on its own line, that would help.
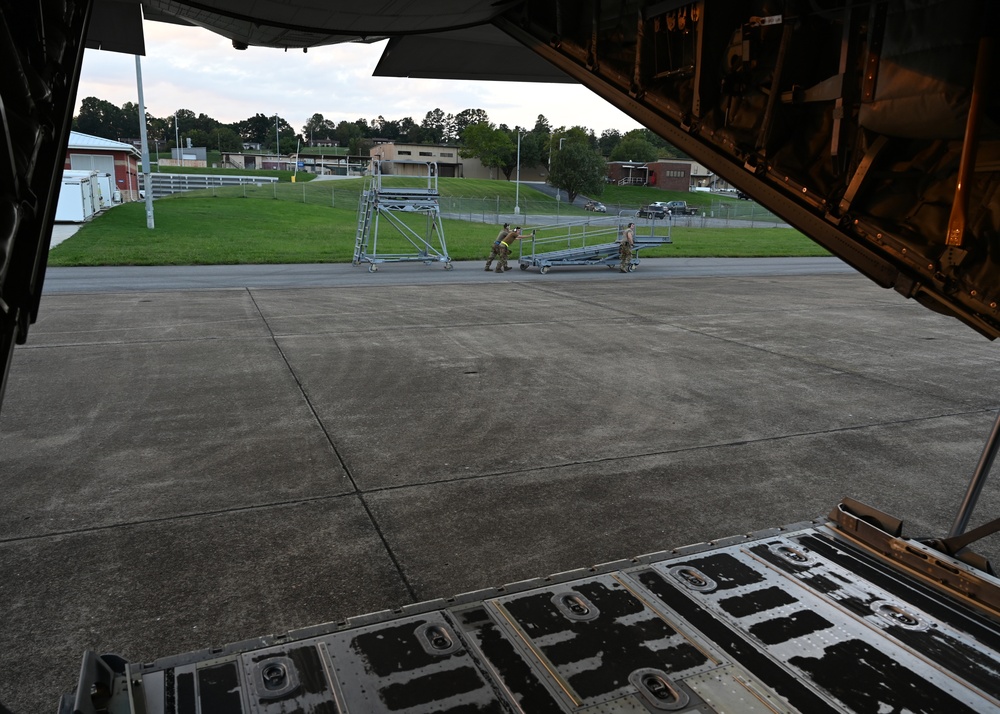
(210, 230)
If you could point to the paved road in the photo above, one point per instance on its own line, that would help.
(114, 279)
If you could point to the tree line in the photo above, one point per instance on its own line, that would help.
(575, 156)
(99, 117)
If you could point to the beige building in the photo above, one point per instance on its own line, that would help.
(449, 163)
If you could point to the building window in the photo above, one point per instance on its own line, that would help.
(426, 153)
(449, 154)
(404, 153)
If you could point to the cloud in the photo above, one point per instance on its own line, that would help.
(191, 68)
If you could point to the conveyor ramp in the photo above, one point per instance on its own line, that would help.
(590, 242)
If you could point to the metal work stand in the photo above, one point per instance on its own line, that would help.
(401, 195)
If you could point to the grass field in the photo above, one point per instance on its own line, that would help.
(219, 230)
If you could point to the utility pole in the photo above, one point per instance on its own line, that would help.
(147, 180)
(517, 179)
(277, 144)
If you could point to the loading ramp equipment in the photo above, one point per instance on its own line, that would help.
(396, 195)
(835, 615)
(591, 242)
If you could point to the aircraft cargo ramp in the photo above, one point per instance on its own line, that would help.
(807, 618)
(591, 242)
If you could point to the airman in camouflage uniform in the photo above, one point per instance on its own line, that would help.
(495, 248)
(625, 248)
(505, 248)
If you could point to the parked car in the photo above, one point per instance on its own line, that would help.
(596, 206)
(680, 208)
(657, 209)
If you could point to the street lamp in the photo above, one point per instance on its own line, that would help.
(517, 179)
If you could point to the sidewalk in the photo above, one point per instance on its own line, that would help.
(62, 231)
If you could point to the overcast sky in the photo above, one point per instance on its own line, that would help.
(191, 68)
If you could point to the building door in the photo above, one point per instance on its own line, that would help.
(101, 163)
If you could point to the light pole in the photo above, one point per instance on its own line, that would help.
(147, 180)
(517, 179)
(277, 145)
(177, 141)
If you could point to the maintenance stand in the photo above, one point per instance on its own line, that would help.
(402, 195)
(594, 241)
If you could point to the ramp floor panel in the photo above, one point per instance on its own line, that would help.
(796, 620)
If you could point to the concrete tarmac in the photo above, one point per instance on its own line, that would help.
(183, 468)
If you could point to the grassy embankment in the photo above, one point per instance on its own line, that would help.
(315, 222)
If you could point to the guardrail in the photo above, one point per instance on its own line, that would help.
(168, 184)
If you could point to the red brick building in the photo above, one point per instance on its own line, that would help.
(667, 175)
(92, 153)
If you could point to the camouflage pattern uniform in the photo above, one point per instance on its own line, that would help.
(495, 248)
(505, 249)
(625, 248)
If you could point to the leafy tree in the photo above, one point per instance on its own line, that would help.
(577, 169)
(226, 139)
(634, 148)
(534, 148)
(542, 125)
(158, 129)
(197, 137)
(317, 128)
(435, 125)
(493, 147)
(284, 133)
(409, 131)
(256, 129)
(130, 121)
(466, 117)
(348, 132)
(609, 139)
(664, 149)
(99, 117)
(182, 123)
(360, 146)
